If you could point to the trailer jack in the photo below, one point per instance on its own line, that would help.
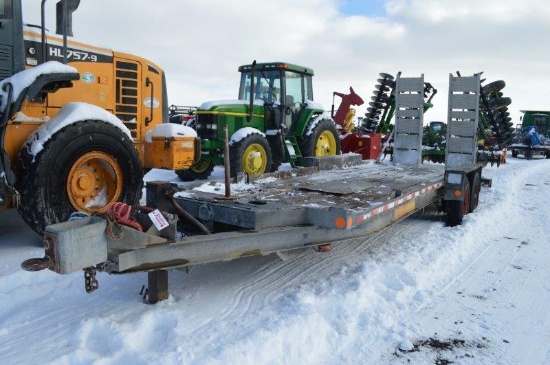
(157, 286)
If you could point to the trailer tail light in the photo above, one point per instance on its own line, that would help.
(457, 193)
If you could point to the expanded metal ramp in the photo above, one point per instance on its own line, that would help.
(462, 121)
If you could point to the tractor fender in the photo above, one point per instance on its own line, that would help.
(243, 133)
(69, 114)
(316, 119)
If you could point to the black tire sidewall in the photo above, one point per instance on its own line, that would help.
(308, 144)
(43, 178)
(237, 150)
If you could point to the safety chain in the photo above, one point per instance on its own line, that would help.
(90, 281)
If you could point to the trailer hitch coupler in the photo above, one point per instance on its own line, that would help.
(36, 264)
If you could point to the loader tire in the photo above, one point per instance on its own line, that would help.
(83, 167)
(250, 155)
(200, 170)
(323, 140)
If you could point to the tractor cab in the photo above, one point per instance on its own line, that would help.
(284, 89)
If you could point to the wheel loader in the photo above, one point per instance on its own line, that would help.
(79, 123)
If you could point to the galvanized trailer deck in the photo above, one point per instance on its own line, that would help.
(342, 198)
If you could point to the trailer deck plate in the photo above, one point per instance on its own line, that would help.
(353, 190)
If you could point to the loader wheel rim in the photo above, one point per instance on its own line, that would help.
(94, 182)
(326, 144)
(254, 160)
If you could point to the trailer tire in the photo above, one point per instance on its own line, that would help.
(250, 155)
(200, 170)
(456, 209)
(476, 189)
(75, 167)
(323, 140)
(514, 153)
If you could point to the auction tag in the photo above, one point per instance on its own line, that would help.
(158, 219)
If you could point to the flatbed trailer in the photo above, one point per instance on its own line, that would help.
(339, 198)
(296, 209)
(529, 151)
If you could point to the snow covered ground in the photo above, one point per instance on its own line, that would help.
(417, 293)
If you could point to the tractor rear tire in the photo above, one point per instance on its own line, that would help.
(250, 155)
(323, 140)
(200, 170)
(83, 167)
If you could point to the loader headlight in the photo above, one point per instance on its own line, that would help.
(454, 178)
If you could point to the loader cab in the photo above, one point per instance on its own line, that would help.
(284, 89)
(11, 38)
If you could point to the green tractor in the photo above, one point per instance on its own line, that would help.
(274, 121)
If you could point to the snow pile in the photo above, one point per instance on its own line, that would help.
(167, 130)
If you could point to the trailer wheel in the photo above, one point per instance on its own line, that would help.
(457, 209)
(200, 170)
(323, 141)
(514, 153)
(84, 167)
(475, 190)
(250, 155)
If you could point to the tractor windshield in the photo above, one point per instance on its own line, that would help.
(267, 85)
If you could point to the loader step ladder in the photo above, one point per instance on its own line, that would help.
(462, 120)
(409, 119)
(292, 150)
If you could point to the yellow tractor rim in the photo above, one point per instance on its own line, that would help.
(201, 166)
(326, 144)
(94, 182)
(254, 160)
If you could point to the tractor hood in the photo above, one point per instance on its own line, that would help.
(229, 105)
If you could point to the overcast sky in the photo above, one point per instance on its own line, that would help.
(200, 43)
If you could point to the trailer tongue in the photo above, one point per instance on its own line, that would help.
(341, 197)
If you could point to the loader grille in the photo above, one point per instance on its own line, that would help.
(127, 93)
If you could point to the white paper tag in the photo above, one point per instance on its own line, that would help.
(158, 219)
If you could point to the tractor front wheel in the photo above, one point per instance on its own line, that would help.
(250, 155)
(200, 170)
(323, 140)
(83, 167)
